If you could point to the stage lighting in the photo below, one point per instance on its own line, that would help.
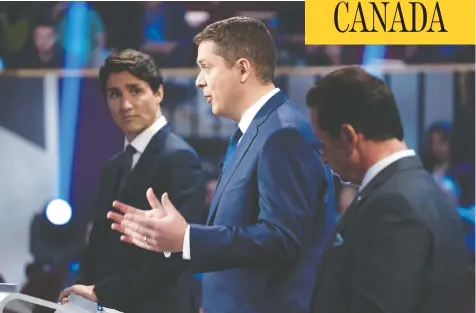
(55, 235)
(59, 212)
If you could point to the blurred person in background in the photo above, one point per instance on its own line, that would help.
(42, 51)
(44, 281)
(16, 23)
(328, 55)
(456, 178)
(167, 35)
(113, 273)
(93, 50)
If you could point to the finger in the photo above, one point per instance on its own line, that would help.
(65, 293)
(145, 239)
(127, 209)
(153, 201)
(118, 227)
(146, 221)
(62, 295)
(138, 243)
(137, 230)
(116, 217)
(168, 206)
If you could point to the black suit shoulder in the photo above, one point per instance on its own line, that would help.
(401, 248)
(420, 241)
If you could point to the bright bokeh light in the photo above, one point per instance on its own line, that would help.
(59, 212)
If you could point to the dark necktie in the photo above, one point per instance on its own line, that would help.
(232, 146)
(126, 165)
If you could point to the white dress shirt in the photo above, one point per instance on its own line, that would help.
(143, 139)
(382, 164)
(244, 123)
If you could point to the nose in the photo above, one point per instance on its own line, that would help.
(200, 82)
(126, 104)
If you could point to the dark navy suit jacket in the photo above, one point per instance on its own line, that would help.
(273, 206)
(128, 278)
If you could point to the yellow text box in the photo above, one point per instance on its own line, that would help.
(443, 22)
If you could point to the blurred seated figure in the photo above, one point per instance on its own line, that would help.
(92, 50)
(424, 54)
(456, 178)
(327, 55)
(42, 51)
(44, 282)
(167, 35)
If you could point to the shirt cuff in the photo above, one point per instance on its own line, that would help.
(186, 244)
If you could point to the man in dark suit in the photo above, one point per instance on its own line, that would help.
(115, 274)
(267, 223)
(399, 247)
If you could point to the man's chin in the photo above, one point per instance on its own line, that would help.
(215, 110)
(132, 131)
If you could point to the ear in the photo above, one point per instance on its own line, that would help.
(244, 68)
(159, 94)
(349, 135)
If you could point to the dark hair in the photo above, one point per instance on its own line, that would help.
(243, 37)
(44, 19)
(138, 64)
(352, 96)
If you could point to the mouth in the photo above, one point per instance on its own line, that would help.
(209, 99)
(127, 118)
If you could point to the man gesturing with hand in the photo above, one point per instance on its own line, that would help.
(260, 247)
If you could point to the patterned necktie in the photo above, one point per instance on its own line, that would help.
(232, 146)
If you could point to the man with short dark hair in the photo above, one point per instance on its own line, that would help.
(43, 52)
(399, 247)
(267, 222)
(112, 273)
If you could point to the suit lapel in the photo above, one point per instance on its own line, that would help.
(111, 182)
(278, 99)
(148, 158)
(406, 163)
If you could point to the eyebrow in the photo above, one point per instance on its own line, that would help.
(133, 85)
(115, 88)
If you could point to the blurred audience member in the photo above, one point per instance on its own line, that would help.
(42, 51)
(93, 50)
(456, 178)
(2, 280)
(167, 34)
(421, 54)
(15, 23)
(462, 54)
(44, 282)
(324, 55)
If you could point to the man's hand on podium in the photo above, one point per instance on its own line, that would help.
(80, 290)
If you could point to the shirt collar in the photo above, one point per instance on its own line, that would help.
(251, 112)
(143, 139)
(382, 164)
